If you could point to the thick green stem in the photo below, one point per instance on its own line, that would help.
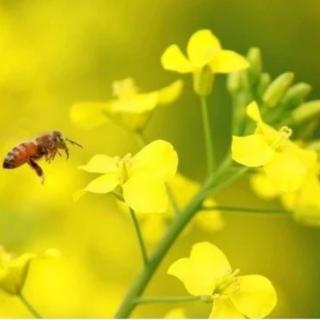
(246, 210)
(181, 220)
(140, 237)
(207, 135)
(30, 308)
(144, 300)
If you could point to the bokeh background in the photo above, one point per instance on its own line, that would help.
(54, 53)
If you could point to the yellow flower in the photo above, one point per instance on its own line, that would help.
(130, 109)
(183, 190)
(207, 273)
(139, 179)
(14, 270)
(284, 162)
(204, 56)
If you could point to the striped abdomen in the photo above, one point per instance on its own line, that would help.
(21, 154)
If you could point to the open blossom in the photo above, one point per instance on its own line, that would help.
(139, 179)
(183, 190)
(203, 49)
(207, 273)
(129, 109)
(14, 270)
(304, 203)
(285, 163)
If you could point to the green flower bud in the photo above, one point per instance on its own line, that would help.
(234, 82)
(295, 95)
(306, 111)
(203, 81)
(277, 89)
(263, 84)
(254, 58)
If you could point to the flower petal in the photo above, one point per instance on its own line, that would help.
(13, 277)
(104, 184)
(203, 45)
(256, 297)
(157, 158)
(170, 93)
(88, 115)
(202, 271)
(289, 169)
(174, 60)
(145, 194)
(176, 313)
(224, 308)
(227, 61)
(101, 163)
(263, 186)
(251, 151)
(209, 220)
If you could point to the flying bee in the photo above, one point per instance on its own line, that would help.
(46, 146)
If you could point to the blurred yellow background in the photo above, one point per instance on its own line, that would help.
(54, 53)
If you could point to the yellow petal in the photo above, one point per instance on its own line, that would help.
(88, 115)
(174, 60)
(256, 297)
(138, 103)
(203, 45)
(101, 163)
(158, 158)
(227, 61)
(146, 194)
(104, 184)
(132, 113)
(202, 271)
(289, 169)
(224, 308)
(253, 111)
(170, 93)
(13, 275)
(263, 186)
(251, 151)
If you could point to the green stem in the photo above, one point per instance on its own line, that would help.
(144, 300)
(207, 135)
(140, 237)
(174, 230)
(246, 210)
(30, 308)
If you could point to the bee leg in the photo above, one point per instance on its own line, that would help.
(34, 165)
(66, 150)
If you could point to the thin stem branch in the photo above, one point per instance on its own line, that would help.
(246, 210)
(27, 304)
(145, 300)
(207, 135)
(211, 187)
(140, 237)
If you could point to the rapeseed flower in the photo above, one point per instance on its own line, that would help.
(205, 57)
(137, 180)
(14, 270)
(129, 109)
(283, 161)
(208, 274)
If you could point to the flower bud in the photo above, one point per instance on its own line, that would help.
(254, 58)
(235, 82)
(264, 82)
(306, 111)
(203, 81)
(277, 89)
(295, 95)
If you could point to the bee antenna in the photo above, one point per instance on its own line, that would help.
(74, 143)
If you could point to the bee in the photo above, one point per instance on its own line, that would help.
(46, 146)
